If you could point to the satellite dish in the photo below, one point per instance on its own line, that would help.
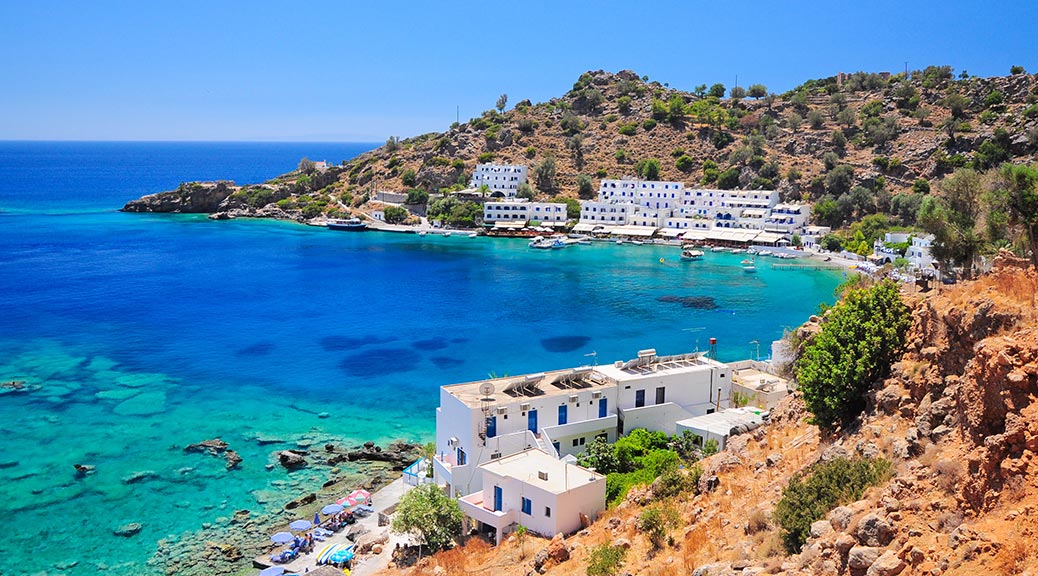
(486, 389)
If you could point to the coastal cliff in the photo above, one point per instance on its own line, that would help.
(188, 198)
(957, 419)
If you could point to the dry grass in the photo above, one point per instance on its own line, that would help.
(1012, 558)
(757, 521)
(949, 474)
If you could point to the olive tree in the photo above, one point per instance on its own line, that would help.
(428, 513)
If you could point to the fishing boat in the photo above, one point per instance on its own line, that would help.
(749, 266)
(547, 243)
(350, 225)
(718, 249)
(690, 254)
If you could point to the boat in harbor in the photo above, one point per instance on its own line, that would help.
(547, 243)
(350, 225)
(689, 254)
(749, 266)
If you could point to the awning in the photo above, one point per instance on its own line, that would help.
(585, 227)
(509, 225)
(553, 224)
(642, 231)
(694, 235)
(768, 238)
(671, 233)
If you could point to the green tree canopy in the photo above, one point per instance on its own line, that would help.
(758, 91)
(428, 513)
(861, 336)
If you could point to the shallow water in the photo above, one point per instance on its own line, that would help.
(139, 334)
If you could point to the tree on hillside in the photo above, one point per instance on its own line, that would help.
(428, 513)
(738, 93)
(307, 166)
(648, 169)
(1017, 192)
(585, 187)
(502, 101)
(861, 336)
(758, 91)
(717, 90)
(1014, 70)
(525, 191)
(700, 90)
(544, 175)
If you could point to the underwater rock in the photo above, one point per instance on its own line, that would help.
(141, 476)
(233, 459)
(82, 470)
(213, 447)
(697, 302)
(127, 530)
(145, 404)
(117, 394)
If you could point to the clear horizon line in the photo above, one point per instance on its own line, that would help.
(168, 141)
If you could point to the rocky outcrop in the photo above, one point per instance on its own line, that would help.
(127, 530)
(215, 447)
(189, 198)
(398, 454)
(292, 459)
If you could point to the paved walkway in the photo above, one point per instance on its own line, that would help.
(386, 498)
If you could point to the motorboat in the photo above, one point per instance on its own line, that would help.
(547, 243)
(749, 266)
(690, 254)
(350, 225)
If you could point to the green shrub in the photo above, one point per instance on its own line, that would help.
(684, 163)
(531, 152)
(623, 103)
(440, 161)
(485, 157)
(826, 485)
(649, 124)
(256, 197)
(611, 118)
(859, 339)
(408, 178)
(458, 164)
(728, 179)
(606, 560)
(601, 173)
(428, 513)
(648, 169)
(417, 196)
(655, 522)
(628, 129)
(395, 214)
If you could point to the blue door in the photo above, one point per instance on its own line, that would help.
(497, 498)
(562, 415)
(491, 426)
(639, 398)
(532, 421)
(602, 408)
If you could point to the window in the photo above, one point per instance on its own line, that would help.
(461, 457)
(639, 398)
(547, 511)
(575, 442)
(661, 395)
(527, 506)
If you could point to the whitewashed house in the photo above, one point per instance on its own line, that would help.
(522, 211)
(787, 218)
(719, 426)
(561, 411)
(546, 495)
(499, 178)
(918, 253)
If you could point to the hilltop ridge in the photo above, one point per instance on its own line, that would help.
(881, 132)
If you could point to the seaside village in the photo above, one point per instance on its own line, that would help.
(635, 211)
(507, 448)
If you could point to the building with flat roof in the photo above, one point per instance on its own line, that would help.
(562, 410)
(546, 495)
(719, 426)
(502, 179)
(549, 213)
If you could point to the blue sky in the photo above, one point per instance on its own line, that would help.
(351, 71)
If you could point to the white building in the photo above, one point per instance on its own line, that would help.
(760, 389)
(502, 178)
(918, 253)
(719, 426)
(523, 211)
(546, 495)
(812, 235)
(593, 213)
(787, 218)
(561, 411)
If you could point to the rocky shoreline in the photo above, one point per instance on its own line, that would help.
(227, 545)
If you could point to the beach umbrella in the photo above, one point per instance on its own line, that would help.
(282, 538)
(332, 509)
(301, 525)
(317, 519)
(358, 497)
(272, 571)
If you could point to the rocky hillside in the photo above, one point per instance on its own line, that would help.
(887, 132)
(957, 419)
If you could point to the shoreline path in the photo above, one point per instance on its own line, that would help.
(368, 529)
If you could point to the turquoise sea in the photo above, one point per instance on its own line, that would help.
(138, 334)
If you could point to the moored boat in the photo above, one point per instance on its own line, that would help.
(689, 254)
(350, 225)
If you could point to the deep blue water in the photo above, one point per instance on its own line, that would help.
(142, 331)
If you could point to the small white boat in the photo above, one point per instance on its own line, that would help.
(619, 241)
(473, 235)
(637, 242)
(749, 266)
(690, 254)
(718, 249)
(447, 234)
(422, 232)
(739, 251)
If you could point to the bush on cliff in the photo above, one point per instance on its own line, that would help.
(860, 337)
(826, 485)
